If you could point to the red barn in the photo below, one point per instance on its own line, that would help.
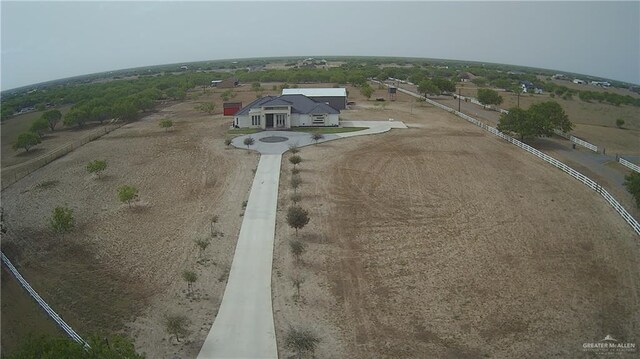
(230, 108)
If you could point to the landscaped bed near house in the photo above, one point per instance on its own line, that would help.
(327, 130)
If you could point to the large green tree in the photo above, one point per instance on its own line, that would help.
(489, 97)
(427, 87)
(76, 117)
(52, 117)
(26, 140)
(540, 120)
(444, 85)
(38, 126)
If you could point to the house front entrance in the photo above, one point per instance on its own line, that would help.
(269, 118)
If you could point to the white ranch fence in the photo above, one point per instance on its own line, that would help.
(573, 173)
(50, 312)
(630, 165)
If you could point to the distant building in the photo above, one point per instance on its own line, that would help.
(529, 87)
(334, 97)
(578, 81)
(559, 77)
(231, 108)
(601, 83)
(286, 111)
(227, 83)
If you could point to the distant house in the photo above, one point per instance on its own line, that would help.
(529, 87)
(286, 111)
(559, 77)
(466, 76)
(184, 67)
(231, 108)
(227, 83)
(334, 97)
(578, 81)
(601, 83)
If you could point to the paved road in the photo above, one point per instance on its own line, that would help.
(244, 327)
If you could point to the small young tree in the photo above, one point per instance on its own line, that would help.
(301, 341)
(127, 194)
(632, 182)
(176, 325)
(228, 141)
(26, 140)
(166, 124)
(208, 107)
(297, 249)
(295, 160)
(212, 224)
(295, 171)
(296, 197)
(297, 217)
(189, 277)
(256, 86)
(38, 126)
(297, 280)
(62, 220)
(97, 167)
(296, 181)
(619, 123)
(317, 136)
(202, 244)
(294, 148)
(249, 141)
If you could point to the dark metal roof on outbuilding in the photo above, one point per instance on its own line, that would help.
(299, 104)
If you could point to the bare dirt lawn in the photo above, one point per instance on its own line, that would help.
(120, 269)
(442, 241)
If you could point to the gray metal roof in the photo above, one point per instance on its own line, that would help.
(299, 104)
(317, 92)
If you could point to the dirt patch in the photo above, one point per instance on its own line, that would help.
(120, 269)
(444, 241)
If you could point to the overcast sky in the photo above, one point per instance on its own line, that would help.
(43, 41)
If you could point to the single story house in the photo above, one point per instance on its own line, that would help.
(286, 111)
(334, 97)
(578, 81)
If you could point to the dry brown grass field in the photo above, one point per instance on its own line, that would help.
(436, 241)
(120, 269)
(442, 241)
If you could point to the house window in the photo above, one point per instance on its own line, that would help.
(255, 120)
(280, 120)
(318, 119)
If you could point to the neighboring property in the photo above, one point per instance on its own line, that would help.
(529, 87)
(231, 108)
(231, 82)
(286, 111)
(334, 97)
(600, 83)
(578, 81)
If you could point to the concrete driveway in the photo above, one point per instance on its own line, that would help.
(244, 327)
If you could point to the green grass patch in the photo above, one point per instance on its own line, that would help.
(47, 184)
(243, 131)
(327, 130)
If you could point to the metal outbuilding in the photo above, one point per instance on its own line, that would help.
(334, 97)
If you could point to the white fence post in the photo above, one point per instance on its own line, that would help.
(630, 165)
